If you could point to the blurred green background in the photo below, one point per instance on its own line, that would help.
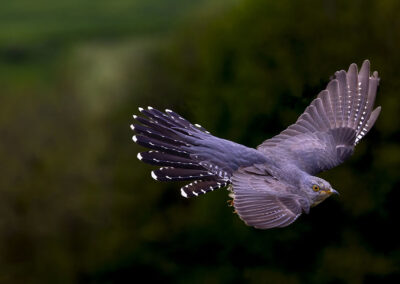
(76, 206)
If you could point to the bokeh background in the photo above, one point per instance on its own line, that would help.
(76, 206)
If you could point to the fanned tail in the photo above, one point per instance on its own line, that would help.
(188, 152)
(171, 137)
(173, 141)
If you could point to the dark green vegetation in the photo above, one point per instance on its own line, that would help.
(77, 206)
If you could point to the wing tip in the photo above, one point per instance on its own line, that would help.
(353, 68)
(365, 67)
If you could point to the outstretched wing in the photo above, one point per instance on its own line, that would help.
(264, 202)
(326, 133)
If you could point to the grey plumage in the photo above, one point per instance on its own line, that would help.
(273, 184)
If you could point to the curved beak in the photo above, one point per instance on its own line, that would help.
(334, 191)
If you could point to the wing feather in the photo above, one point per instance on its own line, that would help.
(325, 134)
(352, 81)
(363, 88)
(322, 114)
(335, 98)
(264, 202)
(327, 105)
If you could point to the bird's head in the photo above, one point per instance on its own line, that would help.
(317, 189)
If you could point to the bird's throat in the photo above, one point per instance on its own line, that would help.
(321, 197)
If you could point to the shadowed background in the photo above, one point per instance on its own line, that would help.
(77, 206)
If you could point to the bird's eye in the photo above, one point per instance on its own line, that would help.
(315, 187)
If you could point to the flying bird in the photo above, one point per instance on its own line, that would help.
(272, 185)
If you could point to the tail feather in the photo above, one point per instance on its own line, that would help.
(189, 152)
(170, 120)
(181, 148)
(179, 174)
(163, 159)
(158, 117)
(179, 119)
(200, 187)
(158, 127)
(147, 131)
(159, 145)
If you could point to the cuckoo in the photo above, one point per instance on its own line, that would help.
(275, 183)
